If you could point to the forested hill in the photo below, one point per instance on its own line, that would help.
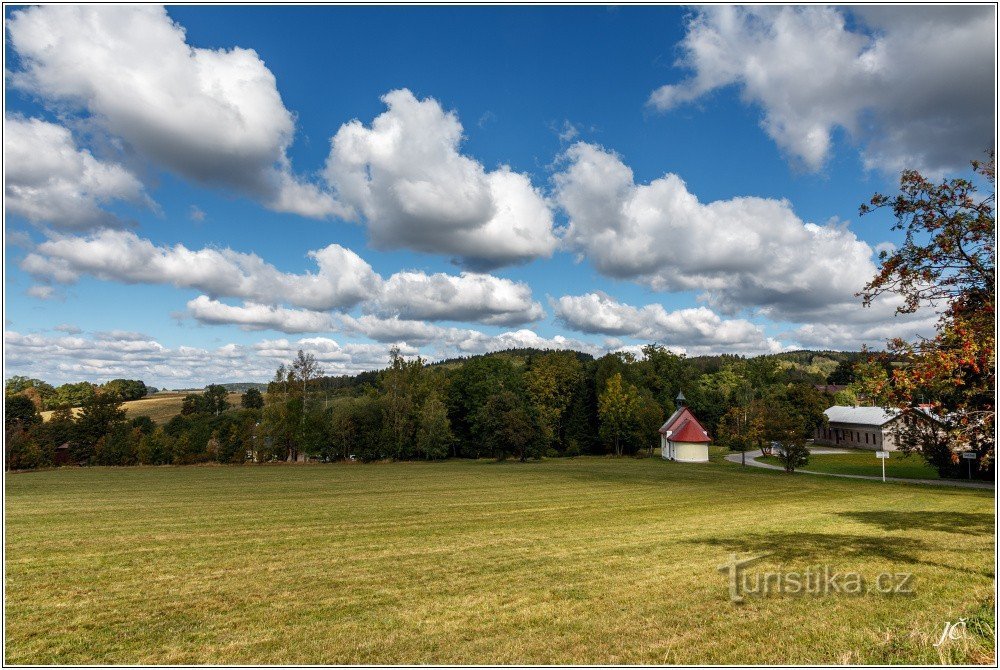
(802, 365)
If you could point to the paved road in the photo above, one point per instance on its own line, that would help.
(752, 457)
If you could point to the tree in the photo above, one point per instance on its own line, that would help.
(742, 427)
(192, 403)
(214, 399)
(434, 435)
(99, 415)
(618, 409)
(20, 412)
(549, 382)
(469, 388)
(843, 374)
(126, 389)
(402, 394)
(252, 399)
(508, 429)
(73, 395)
(946, 261)
(793, 455)
(37, 388)
(305, 369)
(20, 450)
(786, 429)
(155, 448)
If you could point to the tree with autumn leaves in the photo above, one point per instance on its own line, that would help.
(946, 262)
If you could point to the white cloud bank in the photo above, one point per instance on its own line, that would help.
(697, 330)
(915, 86)
(102, 356)
(211, 115)
(343, 280)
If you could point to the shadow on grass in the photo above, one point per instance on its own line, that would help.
(965, 523)
(806, 547)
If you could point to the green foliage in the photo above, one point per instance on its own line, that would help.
(252, 399)
(126, 389)
(551, 380)
(434, 437)
(843, 374)
(214, 399)
(793, 455)
(20, 412)
(618, 409)
(100, 415)
(507, 427)
(22, 452)
(39, 392)
(156, 448)
(471, 386)
(73, 395)
(510, 404)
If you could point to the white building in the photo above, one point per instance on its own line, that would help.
(682, 438)
(859, 428)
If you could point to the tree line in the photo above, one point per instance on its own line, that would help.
(510, 405)
(48, 397)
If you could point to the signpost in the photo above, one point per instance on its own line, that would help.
(882, 455)
(969, 456)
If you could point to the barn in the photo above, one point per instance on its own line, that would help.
(682, 437)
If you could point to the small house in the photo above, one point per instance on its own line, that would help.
(682, 437)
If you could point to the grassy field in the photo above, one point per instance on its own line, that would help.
(563, 561)
(161, 407)
(865, 463)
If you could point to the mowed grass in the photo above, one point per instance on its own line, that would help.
(865, 463)
(161, 407)
(588, 560)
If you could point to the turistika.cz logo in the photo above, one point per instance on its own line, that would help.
(819, 580)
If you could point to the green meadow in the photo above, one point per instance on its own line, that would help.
(858, 462)
(587, 560)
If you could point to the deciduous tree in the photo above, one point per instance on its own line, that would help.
(947, 261)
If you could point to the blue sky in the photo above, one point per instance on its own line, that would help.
(133, 130)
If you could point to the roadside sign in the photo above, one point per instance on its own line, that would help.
(882, 455)
(969, 456)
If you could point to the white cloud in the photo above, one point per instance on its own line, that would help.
(467, 297)
(406, 178)
(741, 253)
(697, 330)
(51, 181)
(214, 116)
(43, 292)
(915, 86)
(104, 356)
(852, 336)
(344, 279)
(442, 342)
(255, 316)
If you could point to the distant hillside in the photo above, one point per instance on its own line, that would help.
(243, 387)
(161, 407)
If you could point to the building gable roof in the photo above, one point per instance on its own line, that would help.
(682, 426)
(870, 416)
